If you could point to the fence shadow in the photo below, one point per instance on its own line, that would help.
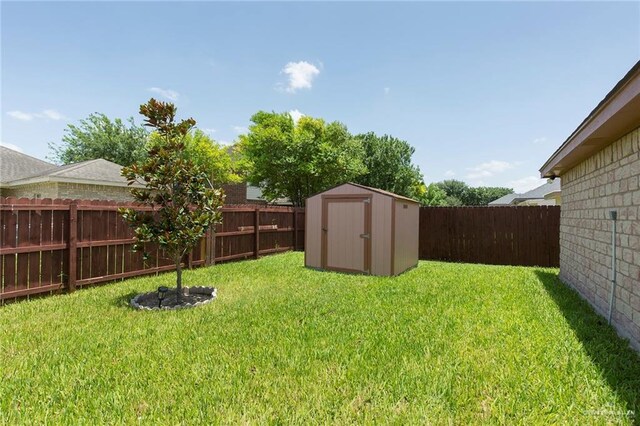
(612, 355)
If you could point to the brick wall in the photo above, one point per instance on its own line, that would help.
(34, 190)
(69, 190)
(606, 181)
(94, 192)
(236, 193)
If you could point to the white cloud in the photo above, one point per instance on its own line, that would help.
(539, 140)
(209, 130)
(525, 184)
(11, 146)
(489, 168)
(300, 75)
(224, 143)
(50, 114)
(172, 95)
(19, 115)
(449, 173)
(387, 90)
(240, 129)
(295, 115)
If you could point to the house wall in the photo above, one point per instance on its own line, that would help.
(94, 192)
(406, 236)
(236, 193)
(69, 190)
(36, 190)
(380, 229)
(608, 180)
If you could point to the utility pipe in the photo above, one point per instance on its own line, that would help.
(613, 215)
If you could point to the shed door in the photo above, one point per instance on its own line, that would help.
(346, 232)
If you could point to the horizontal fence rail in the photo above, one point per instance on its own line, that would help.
(513, 235)
(48, 246)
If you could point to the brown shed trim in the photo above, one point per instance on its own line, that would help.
(326, 199)
(376, 190)
(616, 115)
(393, 237)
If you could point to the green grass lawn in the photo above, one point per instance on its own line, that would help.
(443, 343)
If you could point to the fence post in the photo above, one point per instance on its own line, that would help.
(295, 229)
(73, 246)
(256, 228)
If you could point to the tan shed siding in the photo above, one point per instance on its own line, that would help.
(607, 180)
(313, 232)
(380, 228)
(406, 235)
(381, 234)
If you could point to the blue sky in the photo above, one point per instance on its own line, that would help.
(485, 91)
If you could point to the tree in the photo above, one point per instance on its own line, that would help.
(455, 190)
(461, 194)
(99, 137)
(431, 195)
(177, 185)
(389, 167)
(296, 160)
(206, 152)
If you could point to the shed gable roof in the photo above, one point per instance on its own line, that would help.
(379, 191)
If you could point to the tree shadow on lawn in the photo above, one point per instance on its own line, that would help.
(618, 363)
(124, 300)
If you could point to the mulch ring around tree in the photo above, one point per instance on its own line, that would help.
(192, 297)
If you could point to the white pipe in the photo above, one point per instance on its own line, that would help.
(614, 216)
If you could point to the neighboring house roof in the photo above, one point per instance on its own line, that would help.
(92, 172)
(15, 165)
(505, 200)
(615, 116)
(535, 194)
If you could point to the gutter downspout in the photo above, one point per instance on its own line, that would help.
(613, 215)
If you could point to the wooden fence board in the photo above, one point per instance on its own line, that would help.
(523, 235)
(39, 234)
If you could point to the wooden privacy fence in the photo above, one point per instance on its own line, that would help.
(52, 245)
(520, 235)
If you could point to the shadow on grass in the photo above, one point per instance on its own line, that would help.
(617, 362)
(124, 300)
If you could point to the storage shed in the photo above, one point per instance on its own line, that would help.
(357, 229)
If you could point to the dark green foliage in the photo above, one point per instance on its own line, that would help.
(296, 160)
(99, 137)
(431, 195)
(176, 185)
(459, 193)
(389, 167)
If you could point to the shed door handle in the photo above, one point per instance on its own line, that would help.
(325, 229)
(364, 235)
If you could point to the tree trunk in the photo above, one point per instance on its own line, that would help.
(179, 281)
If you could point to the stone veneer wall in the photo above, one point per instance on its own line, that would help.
(606, 181)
